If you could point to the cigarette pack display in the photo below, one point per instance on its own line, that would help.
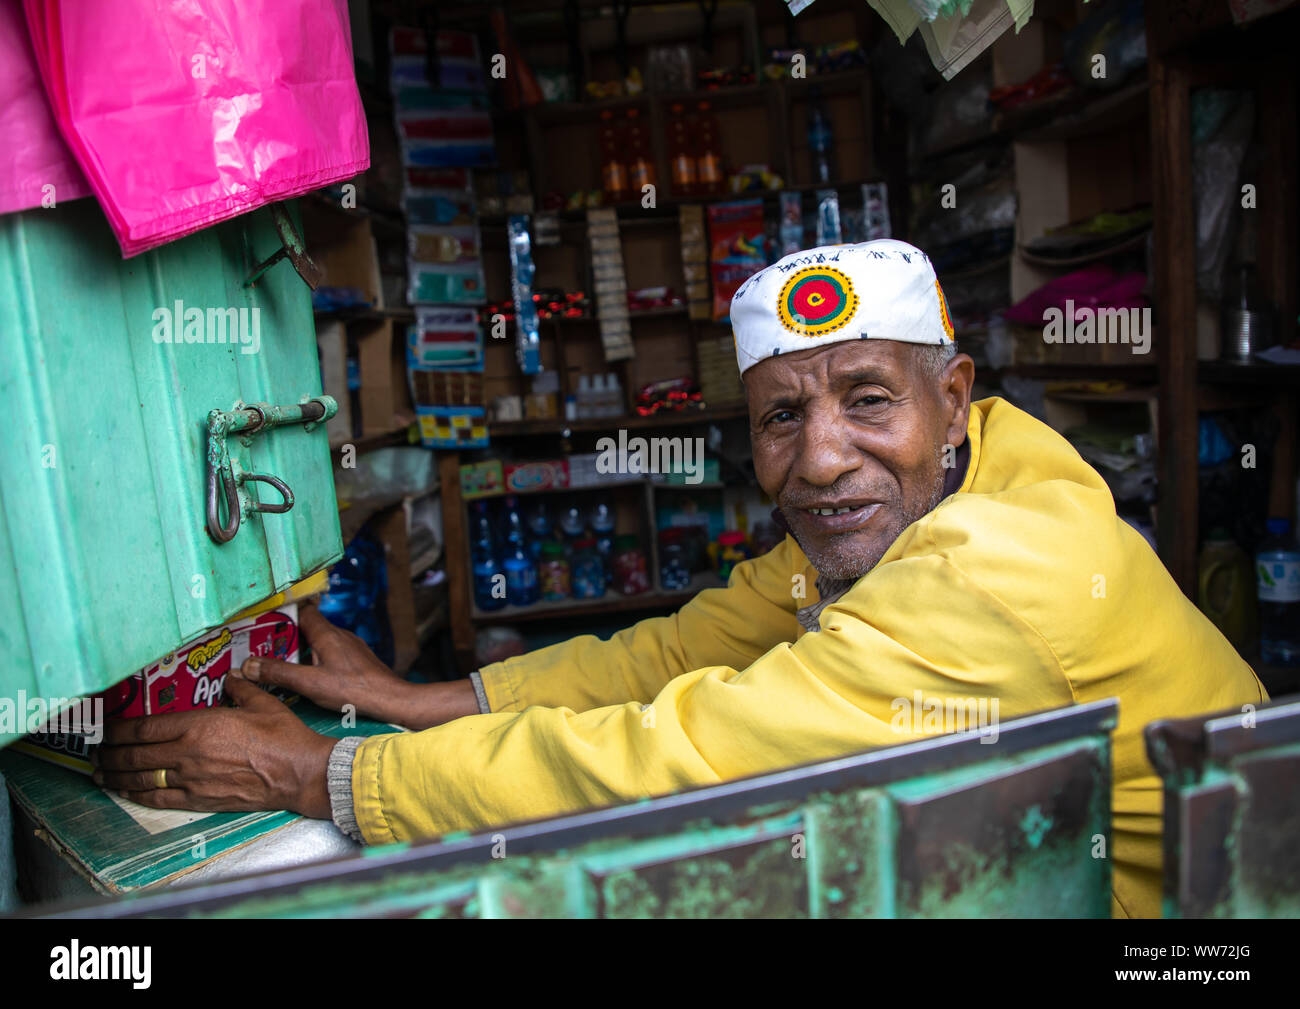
(188, 679)
(736, 243)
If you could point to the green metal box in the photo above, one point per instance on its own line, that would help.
(109, 370)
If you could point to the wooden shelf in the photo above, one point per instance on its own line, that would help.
(367, 314)
(567, 113)
(1260, 373)
(610, 602)
(385, 439)
(1066, 372)
(1076, 114)
(528, 428)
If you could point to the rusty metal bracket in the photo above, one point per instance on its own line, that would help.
(226, 481)
(291, 246)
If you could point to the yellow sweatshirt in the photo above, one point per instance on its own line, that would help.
(1023, 586)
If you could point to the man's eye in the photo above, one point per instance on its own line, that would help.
(781, 417)
(870, 401)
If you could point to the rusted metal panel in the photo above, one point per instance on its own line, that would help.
(1232, 812)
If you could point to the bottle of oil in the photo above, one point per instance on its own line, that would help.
(640, 165)
(613, 172)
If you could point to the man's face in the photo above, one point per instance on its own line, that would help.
(848, 441)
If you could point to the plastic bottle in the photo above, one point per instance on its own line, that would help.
(708, 152)
(583, 409)
(519, 566)
(587, 571)
(1226, 593)
(573, 524)
(821, 141)
(516, 534)
(485, 562)
(613, 396)
(613, 171)
(603, 521)
(1277, 565)
(539, 528)
(681, 155)
(640, 165)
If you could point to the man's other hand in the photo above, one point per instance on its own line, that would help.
(344, 671)
(257, 756)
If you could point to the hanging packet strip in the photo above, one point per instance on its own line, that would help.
(183, 115)
(444, 130)
(456, 61)
(522, 270)
(445, 338)
(36, 167)
(439, 206)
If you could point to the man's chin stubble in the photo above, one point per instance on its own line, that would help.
(849, 563)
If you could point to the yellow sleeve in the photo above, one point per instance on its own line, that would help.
(903, 635)
(729, 626)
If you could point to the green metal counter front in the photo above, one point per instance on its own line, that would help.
(951, 826)
(108, 372)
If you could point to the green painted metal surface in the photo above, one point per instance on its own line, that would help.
(105, 561)
(1231, 811)
(937, 828)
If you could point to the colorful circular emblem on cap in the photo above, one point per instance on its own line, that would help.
(816, 300)
(943, 311)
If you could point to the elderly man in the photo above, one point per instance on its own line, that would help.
(962, 551)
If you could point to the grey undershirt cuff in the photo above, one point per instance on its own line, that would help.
(338, 779)
(338, 771)
(480, 693)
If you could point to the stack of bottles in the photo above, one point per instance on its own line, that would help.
(538, 553)
(694, 147)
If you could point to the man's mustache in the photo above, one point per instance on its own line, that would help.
(802, 500)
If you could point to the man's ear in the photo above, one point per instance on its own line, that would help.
(955, 387)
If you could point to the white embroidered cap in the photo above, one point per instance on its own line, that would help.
(881, 290)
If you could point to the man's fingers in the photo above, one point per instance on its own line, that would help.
(160, 798)
(136, 781)
(250, 696)
(313, 624)
(277, 672)
(150, 728)
(137, 758)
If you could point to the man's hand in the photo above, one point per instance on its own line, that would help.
(257, 756)
(346, 672)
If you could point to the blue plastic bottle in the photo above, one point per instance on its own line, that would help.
(539, 529)
(573, 525)
(603, 521)
(1277, 566)
(521, 571)
(489, 590)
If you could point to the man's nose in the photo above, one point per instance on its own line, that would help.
(826, 452)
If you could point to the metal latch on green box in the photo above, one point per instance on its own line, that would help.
(227, 479)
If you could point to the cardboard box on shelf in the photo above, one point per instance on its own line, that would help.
(551, 474)
(332, 344)
(385, 396)
(481, 479)
(343, 246)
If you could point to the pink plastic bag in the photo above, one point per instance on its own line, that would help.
(32, 154)
(186, 113)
